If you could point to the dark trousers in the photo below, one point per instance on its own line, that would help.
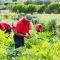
(19, 41)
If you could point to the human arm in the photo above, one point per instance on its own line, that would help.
(19, 34)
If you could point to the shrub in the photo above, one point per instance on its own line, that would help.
(31, 8)
(44, 27)
(3, 53)
(19, 8)
(41, 8)
(42, 46)
(14, 8)
(2, 7)
(53, 7)
(52, 25)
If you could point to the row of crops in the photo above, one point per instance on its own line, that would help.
(42, 46)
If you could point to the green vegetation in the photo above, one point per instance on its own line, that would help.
(43, 46)
(53, 7)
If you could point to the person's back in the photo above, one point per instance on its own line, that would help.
(5, 26)
(38, 27)
(22, 26)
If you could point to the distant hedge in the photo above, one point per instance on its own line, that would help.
(41, 8)
(31, 8)
(54, 7)
(2, 7)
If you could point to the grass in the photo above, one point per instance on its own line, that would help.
(41, 17)
(10, 21)
(47, 17)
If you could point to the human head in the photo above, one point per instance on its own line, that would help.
(28, 17)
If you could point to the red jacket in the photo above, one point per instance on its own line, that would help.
(38, 27)
(5, 25)
(22, 26)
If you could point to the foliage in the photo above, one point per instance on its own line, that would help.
(3, 53)
(5, 40)
(42, 45)
(52, 25)
(54, 7)
(41, 8)
(2, 7)
(58, 34)
(50, 8)
(31, 8)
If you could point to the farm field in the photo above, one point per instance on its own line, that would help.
(21, 41)
(44, 45)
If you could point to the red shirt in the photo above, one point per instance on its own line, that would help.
(38, 27)
(22, 26)
(5, 25)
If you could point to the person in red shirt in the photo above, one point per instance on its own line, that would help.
(5, 26)
(38, 27)
(22, 30)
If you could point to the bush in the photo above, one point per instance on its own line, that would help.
(52, 25)
(14, 8)
(3, 53)
(21, 8)
(10, 6)
(44, 27)
(41, 8)
(5, 40)
(53, 7)
(2, 7)
(42, 46)
(31, 8)
(27, 8)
